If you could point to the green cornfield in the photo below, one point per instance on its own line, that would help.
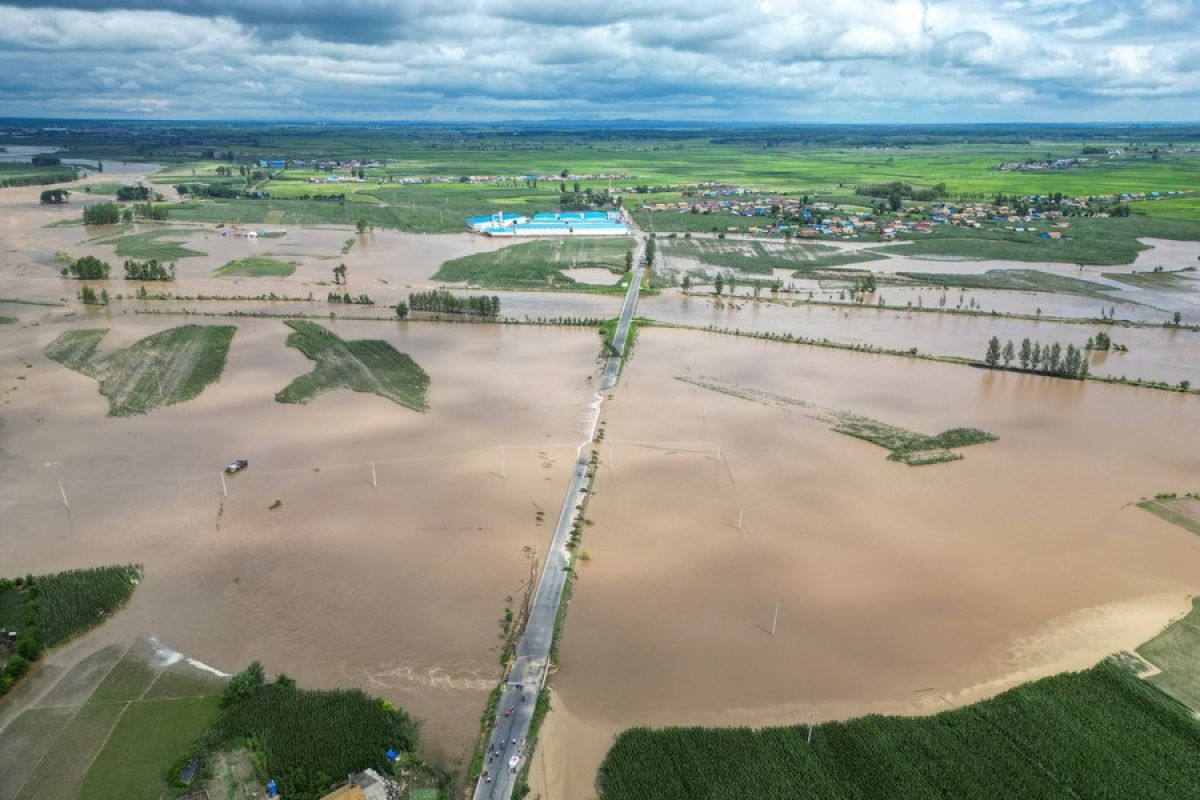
(69, 603)
(1099, 733)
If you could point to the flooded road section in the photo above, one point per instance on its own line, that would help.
(896, 586)
(398, 589)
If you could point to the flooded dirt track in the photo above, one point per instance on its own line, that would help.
(896, 586)
(397, 589)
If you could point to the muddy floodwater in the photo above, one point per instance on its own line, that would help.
(899, 589)
(1154, 353)
(398, 589)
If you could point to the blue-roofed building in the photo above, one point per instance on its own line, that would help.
(551, 223)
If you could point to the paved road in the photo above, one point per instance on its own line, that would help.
(528, 673)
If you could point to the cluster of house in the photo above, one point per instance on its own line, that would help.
(335, 179)
(1037, 166)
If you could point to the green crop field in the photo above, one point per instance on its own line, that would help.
(363, 365)
(310, 739)
(1175, 652)
(1112, 240)
(149, 738)
(1024, 280)
(1184, 280)
(15, 174)
(7, 320)
(761, 258)
(100, 187)
(165, 368)
(153, 244)
(257, 267)
(1098, 733)
(1185, 208)
(536, 264)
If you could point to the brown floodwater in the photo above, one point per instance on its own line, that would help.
(1167, 354)
(397, 589)
(896, 586)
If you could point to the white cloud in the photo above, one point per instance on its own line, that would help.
(774, 60)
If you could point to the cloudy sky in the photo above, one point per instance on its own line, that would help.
(712, 60)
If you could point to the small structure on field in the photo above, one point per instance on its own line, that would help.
(551, 223)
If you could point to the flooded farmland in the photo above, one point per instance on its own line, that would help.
(899, 589)
(397, 589)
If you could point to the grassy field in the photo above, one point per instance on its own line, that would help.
(423, 208)
(1185, 208)
(257, 267)
(15, 174)
(1100, 241)
(364, 365)
(1175, 651)
(85, 740)
(153, 244)
(100, 187)
(1184, 280)
(1184, 512)
(165, 368)
(7, 320)
(536, 264)
(149, 738)
(761, 258)
(1023, 280)
(1098, 733)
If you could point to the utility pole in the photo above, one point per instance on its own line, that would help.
(740, 512)
(64, 495)
(811, 716)
(503, 470)
(775, 619)
(224, 488)
(374, 480)
(612, 458)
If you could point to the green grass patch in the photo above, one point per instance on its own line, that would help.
(363, 365)
(1166, 280)
(257, 267)
(100, 187)
(128, 680)
(1184, 512)
(165, 368)
(62, 770)
(1175, 651)
(1088, 240)
(760, 258)
(8, 320)
(18, 301)
(152, 244)
(1023, 280)
(25, 741)
(147, 741)
(537, 264)
(1098, 733)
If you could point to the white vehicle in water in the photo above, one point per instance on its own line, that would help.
(513, 762)
(237, 466)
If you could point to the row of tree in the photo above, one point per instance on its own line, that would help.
(446, 302)
(349, 299)
(1050, 359)
(102, 214)
(152, 270)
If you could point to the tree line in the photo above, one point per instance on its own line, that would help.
(446, 302)
(152, 270)
(349, 299)
(1050, 359)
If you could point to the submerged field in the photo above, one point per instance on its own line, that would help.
(894, 586)
(538, 264)
(761, 258)
(169, 367)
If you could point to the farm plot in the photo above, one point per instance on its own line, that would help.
(1095, 734)
(165, 368)
(363, 365)
(1174, 653)
(153, 244)
(257, 267)
(760, 258)
(1022, 280)
(536, 264)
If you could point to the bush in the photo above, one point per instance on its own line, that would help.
(89, 268)
(102, 214)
